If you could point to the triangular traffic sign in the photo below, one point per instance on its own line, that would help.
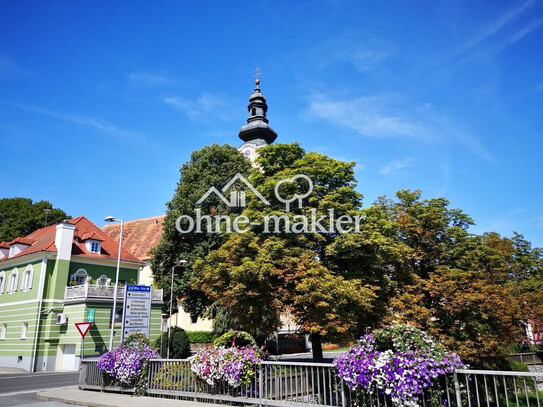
(83, 327)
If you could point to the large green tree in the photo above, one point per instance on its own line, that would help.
(21, 216)
(262, 273)
(211, 166)
(473, 291)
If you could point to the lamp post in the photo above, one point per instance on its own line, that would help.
(179, 263)
(114, 219)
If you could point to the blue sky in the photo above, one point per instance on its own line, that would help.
(101, 102)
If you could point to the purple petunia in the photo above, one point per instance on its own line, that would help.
(404, 371)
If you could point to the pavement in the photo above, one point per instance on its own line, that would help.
(8, 370)
(89, 398)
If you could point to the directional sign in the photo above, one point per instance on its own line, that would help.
(83, 328)
(90, 315)
(137, 310)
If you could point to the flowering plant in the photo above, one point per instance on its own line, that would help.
(127, 363)
(233, 365)
(399, 361)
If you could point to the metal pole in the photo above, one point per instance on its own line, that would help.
(116, 287)
(170, 320)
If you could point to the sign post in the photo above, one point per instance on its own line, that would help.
(83, 328)
(137, 310)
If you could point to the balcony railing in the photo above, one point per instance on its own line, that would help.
(85, 291)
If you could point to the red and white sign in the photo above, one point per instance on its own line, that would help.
(83, 327)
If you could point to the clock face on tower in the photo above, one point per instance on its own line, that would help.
(247, 151)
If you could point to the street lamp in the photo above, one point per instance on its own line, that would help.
(114, 219)
(179, 263)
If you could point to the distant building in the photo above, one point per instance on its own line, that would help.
(53, 278)
(140, 236)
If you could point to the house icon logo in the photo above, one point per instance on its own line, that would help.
(237, 198)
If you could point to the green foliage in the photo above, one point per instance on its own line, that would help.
(517, 367)
(239, 338)
(20, 217)
(200, 336)
(210, 166)
(414, 260)
(179, 344)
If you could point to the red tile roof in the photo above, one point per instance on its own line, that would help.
(44, 241)
(22, 240)
(92, 236)
(4, 245)
(139, 235)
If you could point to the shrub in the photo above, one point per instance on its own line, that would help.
(179, 346)
(398, 361)
(237, 338)
(200, 336)
(517, 367)
(126, 365)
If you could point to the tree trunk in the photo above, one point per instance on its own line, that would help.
(317, 348)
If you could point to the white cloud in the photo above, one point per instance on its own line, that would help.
(87, 121)
(147, 79)
(203, 107)
(9, 69)
(396, 165)
(375, 116)
(392, 116)
(364, 53)
(501, 24)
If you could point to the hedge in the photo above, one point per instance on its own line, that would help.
(200, 336)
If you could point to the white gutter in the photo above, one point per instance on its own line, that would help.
(40, 302)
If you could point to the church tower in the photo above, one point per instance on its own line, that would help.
(256, 133)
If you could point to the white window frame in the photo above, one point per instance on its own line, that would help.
(13, 281)
(80, 273)
(102, 280)
(24, 330)
(3, 331)
(2, 281)
(28, 275)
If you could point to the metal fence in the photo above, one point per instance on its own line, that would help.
(317, 384)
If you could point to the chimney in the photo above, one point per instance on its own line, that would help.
(64, 237)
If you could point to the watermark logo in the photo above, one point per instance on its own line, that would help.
(237, 198)
(276, 224)
(298, 197)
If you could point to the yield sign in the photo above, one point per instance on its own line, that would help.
(83, 327)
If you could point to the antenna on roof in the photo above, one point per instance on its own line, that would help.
(46, 210)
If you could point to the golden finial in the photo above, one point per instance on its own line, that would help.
(257, 73)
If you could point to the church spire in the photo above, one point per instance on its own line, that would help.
(257, 131)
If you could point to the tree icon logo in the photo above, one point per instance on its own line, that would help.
(295, 197)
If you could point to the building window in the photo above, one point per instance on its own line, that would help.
(2, 282)
(80, 276)
(26, 283)
(102, 280)
(93, 246)
(24, 330)
(13, 280)
(3, 330)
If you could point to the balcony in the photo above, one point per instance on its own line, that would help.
(101, 292)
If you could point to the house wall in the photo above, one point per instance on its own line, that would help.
(17, 309)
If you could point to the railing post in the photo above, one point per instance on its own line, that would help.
(259, 383)
(457, 390)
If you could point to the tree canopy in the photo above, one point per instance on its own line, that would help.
(21, 216)
(409, 260)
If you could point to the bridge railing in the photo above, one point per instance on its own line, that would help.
(317, 384)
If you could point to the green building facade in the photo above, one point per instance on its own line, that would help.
(49, 280)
